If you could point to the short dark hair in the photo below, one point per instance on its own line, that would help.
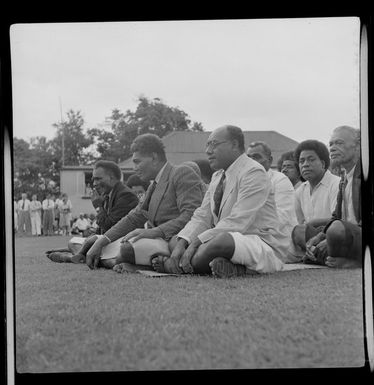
(110, 167)
(315, 145)
(264, 146)
(134, 180)
(147, 144)
(236, 133)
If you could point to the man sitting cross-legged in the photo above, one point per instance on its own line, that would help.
(112, 201)
(339, 243)
(171, 199)
(236, 229)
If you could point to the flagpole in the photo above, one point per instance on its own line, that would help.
(63, 135)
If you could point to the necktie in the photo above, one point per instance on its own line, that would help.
(106, 203)
(147, 199)
(218, 194)
(23, 205)
(340, 198)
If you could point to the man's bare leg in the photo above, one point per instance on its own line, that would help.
(337, 248)
(222, 245)
(80, 255)
(221, 248)
(107, 263)
(125, 260)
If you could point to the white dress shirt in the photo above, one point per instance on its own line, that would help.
(25, 206)
(348, 211)
(321, 202)
(284, 195)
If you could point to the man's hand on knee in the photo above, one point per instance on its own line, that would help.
(94, 253)
(185, 261)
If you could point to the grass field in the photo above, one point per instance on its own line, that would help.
(72, 319)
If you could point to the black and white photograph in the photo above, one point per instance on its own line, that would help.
(186, 195)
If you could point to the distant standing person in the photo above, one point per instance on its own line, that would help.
(48, 206)
(15, 215)
(35, 215)
(58, 203)
(65, 215)
(24, 221)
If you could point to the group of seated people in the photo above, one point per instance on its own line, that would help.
(241, 218)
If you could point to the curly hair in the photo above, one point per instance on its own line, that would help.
(109, 166)
(314, 145)
(148, 144)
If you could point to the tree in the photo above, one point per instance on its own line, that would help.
(150, 116)
(70, 133)
(34, 169)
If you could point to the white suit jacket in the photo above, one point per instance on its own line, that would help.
(247, 207)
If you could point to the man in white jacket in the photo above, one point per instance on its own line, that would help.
(284, 192)
(236, 229)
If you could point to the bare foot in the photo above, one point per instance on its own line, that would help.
(124, 268)
(163, 264)
(342, 263)
(223, 268)
(158, 263)
(60, 257)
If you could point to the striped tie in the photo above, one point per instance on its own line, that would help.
(218, 194)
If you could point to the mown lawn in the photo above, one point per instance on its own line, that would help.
(72, 319)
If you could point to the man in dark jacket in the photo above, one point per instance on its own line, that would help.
(339, 244)
(112, 201)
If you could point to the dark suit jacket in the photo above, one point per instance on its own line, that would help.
(356, 194)
(121, 201)
(178, 193)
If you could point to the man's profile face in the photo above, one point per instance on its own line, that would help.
(311, 166)
(144, 166)
(219, 149)
(257, 153)
(102, 181)
(342, 147)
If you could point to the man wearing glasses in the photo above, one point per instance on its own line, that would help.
(236, 230)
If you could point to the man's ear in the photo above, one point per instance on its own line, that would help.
(155, 158)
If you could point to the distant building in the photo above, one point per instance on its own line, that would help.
(180, 146)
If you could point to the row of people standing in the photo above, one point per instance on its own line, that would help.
(46, 217)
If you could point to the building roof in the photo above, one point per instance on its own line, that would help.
(181, 146)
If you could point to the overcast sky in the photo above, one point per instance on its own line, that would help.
(299, 77)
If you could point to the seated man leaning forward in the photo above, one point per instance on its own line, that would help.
(236, 229)
(171, 199)
(339, 243)
(112, 201)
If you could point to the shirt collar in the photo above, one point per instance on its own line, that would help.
(325, 178)
(233, 165)
(350, 173)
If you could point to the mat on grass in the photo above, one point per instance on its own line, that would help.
(286, 267)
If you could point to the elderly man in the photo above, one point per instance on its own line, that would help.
(171, 199)
(284, 192)
(339, 244)
(236, 228)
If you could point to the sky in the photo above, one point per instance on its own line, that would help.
(299, 77)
